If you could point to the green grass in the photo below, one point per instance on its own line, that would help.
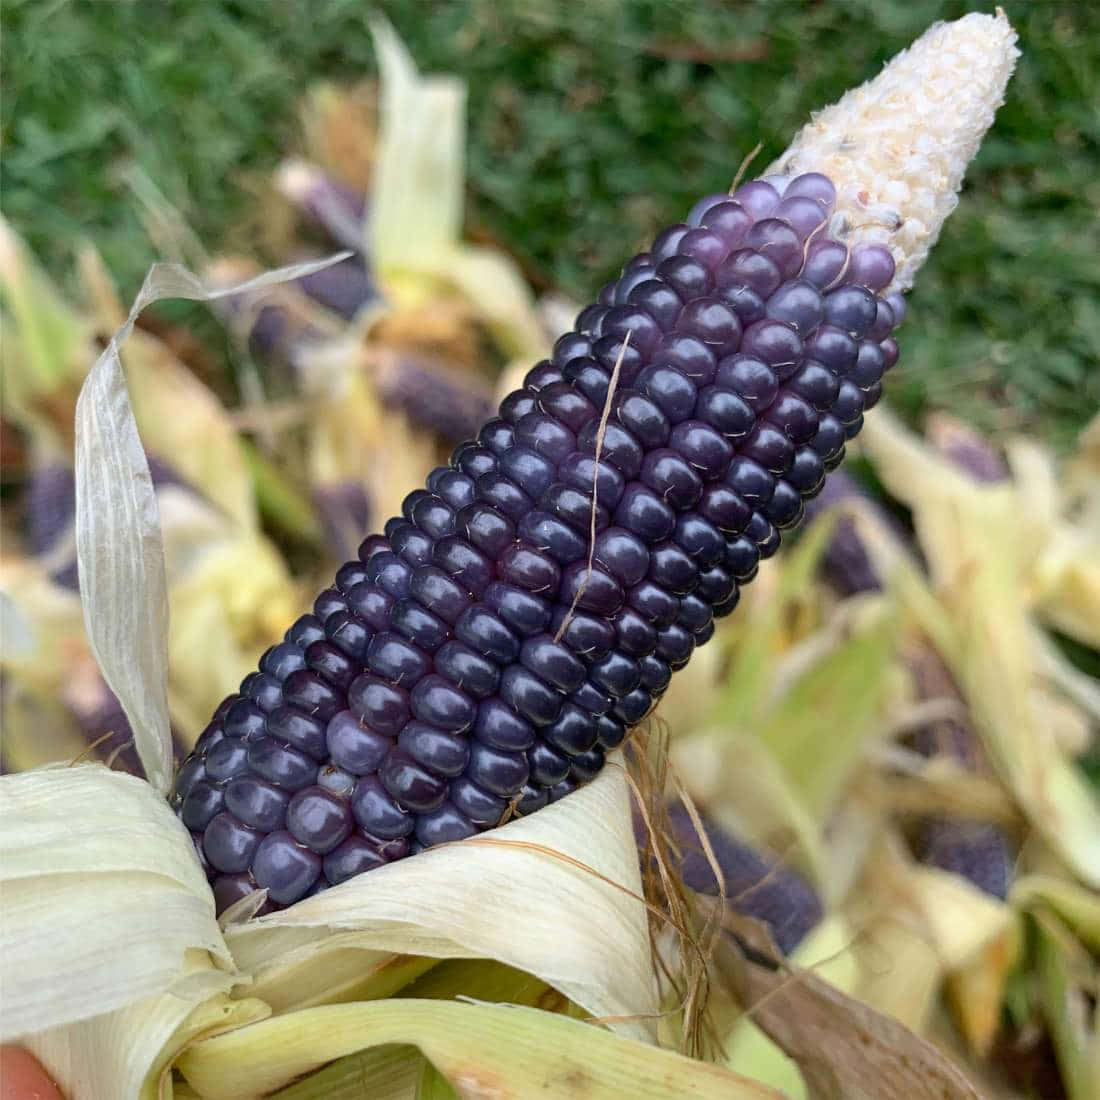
(590, 126)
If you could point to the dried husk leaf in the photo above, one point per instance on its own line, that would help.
(119, 546)
(556, 894)
(499, 1051)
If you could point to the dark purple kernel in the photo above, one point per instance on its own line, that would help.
(370, 604)
(610, 732)
(636, 636)
(228, 889)
(587, 766)
(547, 766)
(651, 600)
(546, 437)
(757, 197)
(435, 589)
(474, 461)
(553, 663)
(526, 693)
(779, 242)
(702, 446)
(560, 790)
(574, 506)
(723, 409)
(699, 539)
(496, 435)
(616, 446)
(434, 516)
(641, 417)
(890, 352)
(279, 764)
(687, 277)
(816, 383)
(590, 378)
(437, 750)
(725, 607)
(285, 869)
(804, 215)
(480, 807)
(616, 673)
(759, 530)
(622, 554)
(201, 804)
(643, 329)
(581, 471)
(769, 544)
(667, 242)
(706, 246)
(730, 220)
(565, 404)
(497, 724)
(468, 669)
(673, 569)
(807, 472)
(871, 396)
(421, 627)
(669, 388)
(225, 760)
(848, 406)
(527, 567)
(410, 784)
(354, 745)
(851, 309)
(485, 633)
(705, 634)
(351, 858)
(690, 356)
(513, 408)
(192, 770)
(725, 508)
(750, 270)
(813, 185)
(592, 699)
(228, 844)
(590, 589)
(243, 720)
(318, 819)
(694, 614)
(793, 416)
(609, 349)
(443, 826)
(631, 709)
(869, 367)
(797, 304)
(669, 475)
(656, 674)
(675, 645)
(345, 631)
(712, 321)
(569, 347)
(396, 659)
(742, 558)
(304, 732)
(872, 266)
(350, 574)
(391, 574)
(377, 812)
(785, 507)
(774, 343)
(499, 773)
(486, 528)
(884, 322)
(753, 379)
(589, 319)
(523, 612)
(455, 488)
(335, 666)
(305, 630)
(328, 603)
(531, 471)
(825, 262)
(642, 511)
(659, 300)
(592, 636)
(469, 567)
(503, 494)
(745, 302)
(379, 704)
(549, 534)
(283, 659)
(833, 348)
(751, 481)
(630, 278)
(530, 799)
(437, 701)
(853, 428)
(574, 731)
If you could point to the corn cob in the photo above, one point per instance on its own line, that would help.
(482, 655)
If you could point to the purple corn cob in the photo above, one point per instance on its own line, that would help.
(452, 403)
(483, 654)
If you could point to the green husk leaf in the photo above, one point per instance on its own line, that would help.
(502, 1051)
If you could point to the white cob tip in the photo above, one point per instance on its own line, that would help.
(897, 147)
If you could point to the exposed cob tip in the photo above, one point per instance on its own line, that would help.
(897, 147)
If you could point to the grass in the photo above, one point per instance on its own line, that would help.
(590, 126)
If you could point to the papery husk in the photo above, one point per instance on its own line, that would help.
(556, 895)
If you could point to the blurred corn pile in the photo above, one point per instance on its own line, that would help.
(885, 766)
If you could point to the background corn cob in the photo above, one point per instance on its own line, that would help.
(530, 605)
